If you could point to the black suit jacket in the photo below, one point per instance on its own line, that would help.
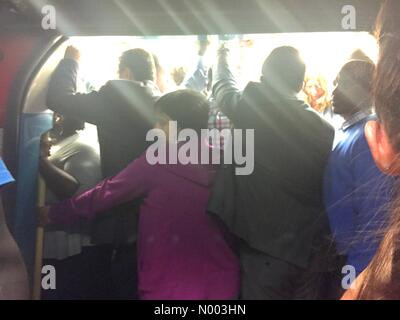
(278, 209)
(123, 112)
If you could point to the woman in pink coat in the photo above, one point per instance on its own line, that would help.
(183, 253)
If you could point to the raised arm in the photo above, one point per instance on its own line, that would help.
(225, 90)
(129, 184)
(62, 96)
(198, 79)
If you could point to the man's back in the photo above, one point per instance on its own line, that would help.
(279, 206)
(287, 135)
(123, 112)
(128, 116)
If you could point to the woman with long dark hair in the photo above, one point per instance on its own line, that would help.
(381, 280)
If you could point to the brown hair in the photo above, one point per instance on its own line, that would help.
(387, 78)
(382, 277)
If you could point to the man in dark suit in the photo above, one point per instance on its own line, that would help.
(123, 111)
(276, 212)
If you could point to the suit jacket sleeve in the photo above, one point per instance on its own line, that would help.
(225, 91)
(62, 96)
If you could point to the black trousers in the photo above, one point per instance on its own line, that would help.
(82, 277)
(99, 272)
(124, 272)
(267, 278)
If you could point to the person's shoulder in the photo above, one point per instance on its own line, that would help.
(131, 91)
(134, 85)
(355, 144)
(73, 146)
(142, 170)
(317, 120)
(143, 162)
(313, 114)
(360, 145)
(254, 92)
(357, 133)
(253, 87)
(117, 84)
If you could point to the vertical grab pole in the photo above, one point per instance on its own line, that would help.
(37, 276)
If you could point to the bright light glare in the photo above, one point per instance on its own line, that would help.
(324, 53)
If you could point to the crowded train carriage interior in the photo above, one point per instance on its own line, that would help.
(183, 39)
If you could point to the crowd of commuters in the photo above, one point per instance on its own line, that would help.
(120, 227)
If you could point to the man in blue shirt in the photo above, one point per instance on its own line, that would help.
(356, 193)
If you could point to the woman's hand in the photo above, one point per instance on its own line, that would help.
(43, 216)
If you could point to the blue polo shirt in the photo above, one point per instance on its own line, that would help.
(5, 176)
(356, 195)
